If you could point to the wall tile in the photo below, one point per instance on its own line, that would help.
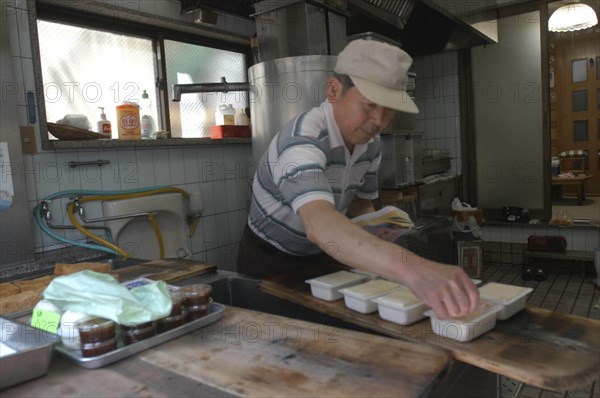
(176, 166)
(235, 231)
(148, 6)
(209, 197)
(47, 174)
(129, 170)
(190, 164)
(220, 196)
(163, 8)
(90, 176)
(24, 38)
(145, 166)
(232, 195)
(222, 229)
(592, 239)
(110, 173)
(211, 238)
(162, 171)
(10, 18)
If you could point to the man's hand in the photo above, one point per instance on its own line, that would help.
(446, 289)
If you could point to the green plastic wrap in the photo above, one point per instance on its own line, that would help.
(101, 295)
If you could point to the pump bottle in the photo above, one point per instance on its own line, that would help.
(104, 126)
(147, 122)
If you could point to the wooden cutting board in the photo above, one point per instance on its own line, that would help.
(168, 270)
(251, 353)
(541, 348)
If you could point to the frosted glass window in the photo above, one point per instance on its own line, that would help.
(580, 101)
(579, 70)
(84, 69)
(191, 63)
(580, 130)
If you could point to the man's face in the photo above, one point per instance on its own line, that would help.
(358, 118)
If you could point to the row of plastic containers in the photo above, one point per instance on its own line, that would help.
(365, 293)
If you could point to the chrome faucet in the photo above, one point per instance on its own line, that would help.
(222, 87)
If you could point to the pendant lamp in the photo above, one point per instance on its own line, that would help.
(570, 17)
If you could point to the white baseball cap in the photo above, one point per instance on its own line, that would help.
(379, 72)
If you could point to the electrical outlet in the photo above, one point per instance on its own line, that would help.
(28, 142)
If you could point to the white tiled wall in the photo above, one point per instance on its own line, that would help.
(437, 97)
(218, 171)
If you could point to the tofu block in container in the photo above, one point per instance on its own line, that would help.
(511, 298)
(368, 275)
(469, 327)
(327, 287)
(401, 306)
(359, 298)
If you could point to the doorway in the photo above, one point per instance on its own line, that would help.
(575, 116)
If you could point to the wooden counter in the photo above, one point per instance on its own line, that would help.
(541, 348)
(250, 353)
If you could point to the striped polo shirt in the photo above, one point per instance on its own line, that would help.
(307, 160)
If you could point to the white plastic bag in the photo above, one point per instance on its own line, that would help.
(101, 295)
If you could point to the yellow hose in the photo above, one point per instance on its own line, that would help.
(193, 227)
(71, 214)
(71, 211)
(161, 243)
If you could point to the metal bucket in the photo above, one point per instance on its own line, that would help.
(282, 89)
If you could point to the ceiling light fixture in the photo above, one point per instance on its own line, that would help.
(572, 17)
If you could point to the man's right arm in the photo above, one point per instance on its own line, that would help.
(446, 289)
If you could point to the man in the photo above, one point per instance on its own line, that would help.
(322, 166)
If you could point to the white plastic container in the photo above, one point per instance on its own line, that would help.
(468, 327)
(225, 115)
(359, 298)
(401, 306)
(327, 287)
(511, 298)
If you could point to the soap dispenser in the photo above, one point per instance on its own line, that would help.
(104, 126)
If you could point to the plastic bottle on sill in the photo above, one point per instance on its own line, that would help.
(225, 115)
(241, 119)
(148, 129)
(103, 125)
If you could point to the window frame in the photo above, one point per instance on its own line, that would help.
(133, 23)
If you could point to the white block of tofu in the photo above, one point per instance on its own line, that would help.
(511, 298)
(469, 327)
(327, 287)
(360, 297)
(401, 306)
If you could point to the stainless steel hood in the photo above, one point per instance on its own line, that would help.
(421, 26)
(426, 26)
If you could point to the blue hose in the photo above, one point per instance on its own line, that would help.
(75, 193)
(38, 220)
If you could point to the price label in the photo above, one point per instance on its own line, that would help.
(45, 320)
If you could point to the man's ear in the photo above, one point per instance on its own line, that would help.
(334, 89)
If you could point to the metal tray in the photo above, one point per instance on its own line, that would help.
(215, 312)
(32, 352)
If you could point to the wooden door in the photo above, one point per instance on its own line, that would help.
(578, 99)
